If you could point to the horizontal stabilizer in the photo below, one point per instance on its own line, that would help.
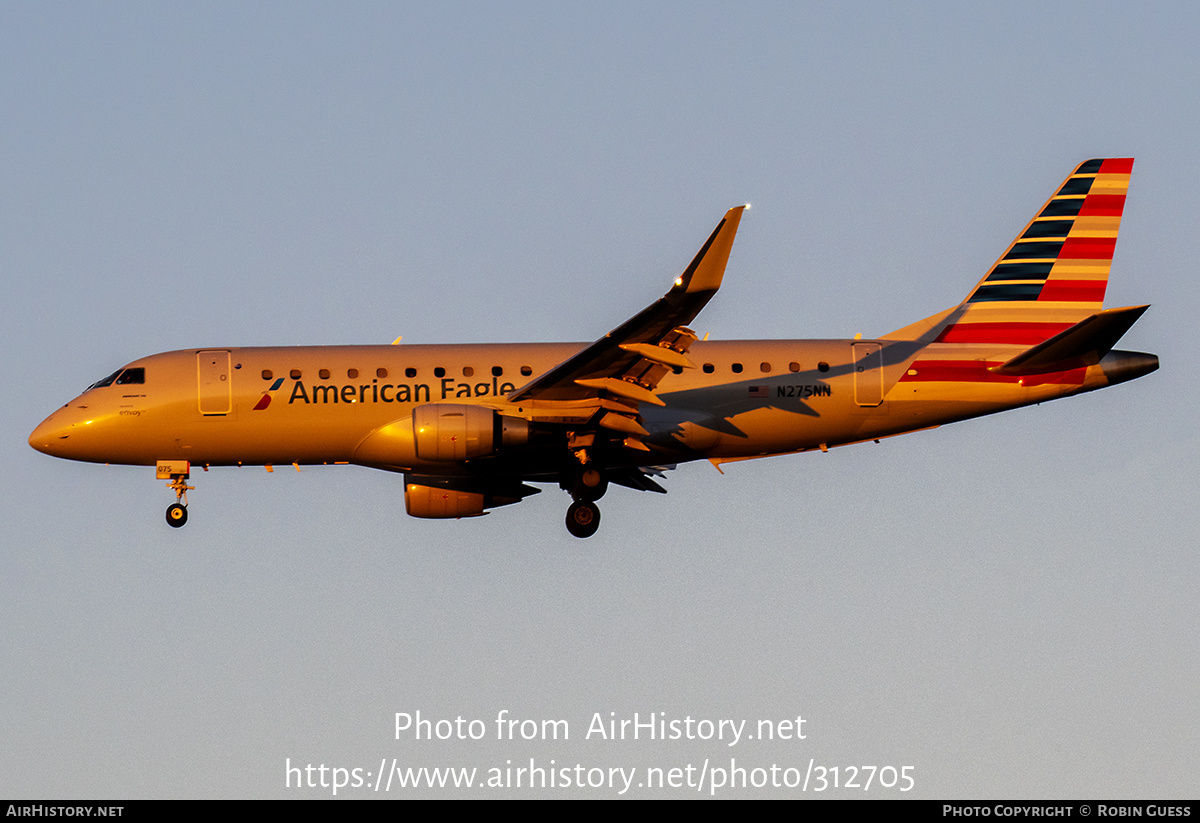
(1081, 345)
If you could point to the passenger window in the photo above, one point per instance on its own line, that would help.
(352, 374)
(381, 372)
(764, 367)
(131, 376)
(439, 372)
(793, 367)
(497, 371)
(526, 371)
(468, 371)
(323, 374)
(268, 374)
(295, 374)
(709, 368)
(737, 368)
(822, 366)
(410, 372)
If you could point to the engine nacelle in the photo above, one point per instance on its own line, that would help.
(455, 431)
(430, 501)
(431, 496)
(442, 433)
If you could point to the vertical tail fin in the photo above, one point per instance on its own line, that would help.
(1064, 253)
(1053, 275)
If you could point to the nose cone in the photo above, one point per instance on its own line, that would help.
(51, 435)
(70, 432)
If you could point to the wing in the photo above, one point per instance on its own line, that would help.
(603, 384)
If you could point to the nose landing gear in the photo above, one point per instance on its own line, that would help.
(176, 515)
(177, 472)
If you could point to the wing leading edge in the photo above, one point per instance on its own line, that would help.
(598, 391)
(629, 361)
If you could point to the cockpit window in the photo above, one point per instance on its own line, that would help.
(121, 377)
(108, 381)
(130, 376)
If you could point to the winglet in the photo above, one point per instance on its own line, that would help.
(707, 268)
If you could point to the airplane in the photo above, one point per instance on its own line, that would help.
(470, 427)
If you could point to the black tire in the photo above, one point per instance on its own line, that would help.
(583, 518)
(176, 515)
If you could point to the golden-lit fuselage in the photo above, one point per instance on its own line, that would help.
(311, 405)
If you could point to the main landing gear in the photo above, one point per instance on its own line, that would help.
(177, 473)
(583, 518)
(587, 486)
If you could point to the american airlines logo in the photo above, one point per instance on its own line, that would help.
(265, 400)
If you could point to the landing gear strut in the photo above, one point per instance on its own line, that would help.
(177, 472)
(587, 484)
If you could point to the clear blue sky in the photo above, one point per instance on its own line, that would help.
(1008, 605)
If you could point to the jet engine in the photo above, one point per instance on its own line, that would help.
(453, 431)
(432, 496)
(442, 433)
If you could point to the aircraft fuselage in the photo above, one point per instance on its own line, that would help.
(314, 405)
